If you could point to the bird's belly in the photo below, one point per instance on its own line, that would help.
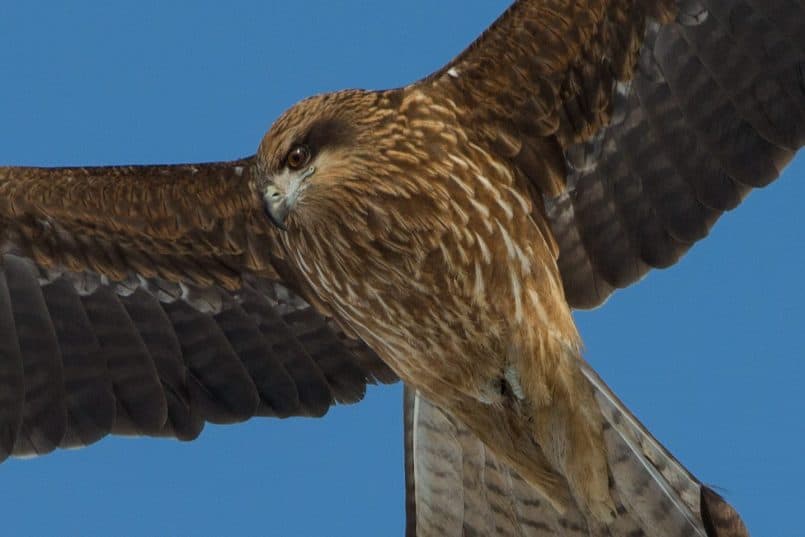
(438, 344)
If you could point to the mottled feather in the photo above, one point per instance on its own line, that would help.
(441, 232)
(123, 320)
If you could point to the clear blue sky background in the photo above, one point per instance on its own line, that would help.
(709, 354)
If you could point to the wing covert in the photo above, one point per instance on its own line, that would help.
(635, 125)
(146, 300)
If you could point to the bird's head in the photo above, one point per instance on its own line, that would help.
(318, 152)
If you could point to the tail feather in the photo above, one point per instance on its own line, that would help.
(457, 486)
(651, 484)
(719, 517)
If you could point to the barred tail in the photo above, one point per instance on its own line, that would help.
(456, 486)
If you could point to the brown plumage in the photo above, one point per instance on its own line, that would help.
(443, 230)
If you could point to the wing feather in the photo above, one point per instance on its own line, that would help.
(87, 382)
(147, 300)
(667, 113)
(12, 375)
(313, 392)
(217, 379)
(44, 409)
(135, 383)
(275, 388)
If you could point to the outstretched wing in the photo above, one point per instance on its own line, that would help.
(456, 486)
(148, 300)
(636, 124)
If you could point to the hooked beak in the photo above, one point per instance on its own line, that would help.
(276, 206)
(278, 202)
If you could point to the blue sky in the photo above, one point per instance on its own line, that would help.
(709, 354)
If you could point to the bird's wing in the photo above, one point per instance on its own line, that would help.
(148, 300)
(455, 486)
(636, 124)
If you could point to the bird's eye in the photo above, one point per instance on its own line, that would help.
(298, 157)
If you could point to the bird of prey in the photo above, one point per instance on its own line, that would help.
(447, 227)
